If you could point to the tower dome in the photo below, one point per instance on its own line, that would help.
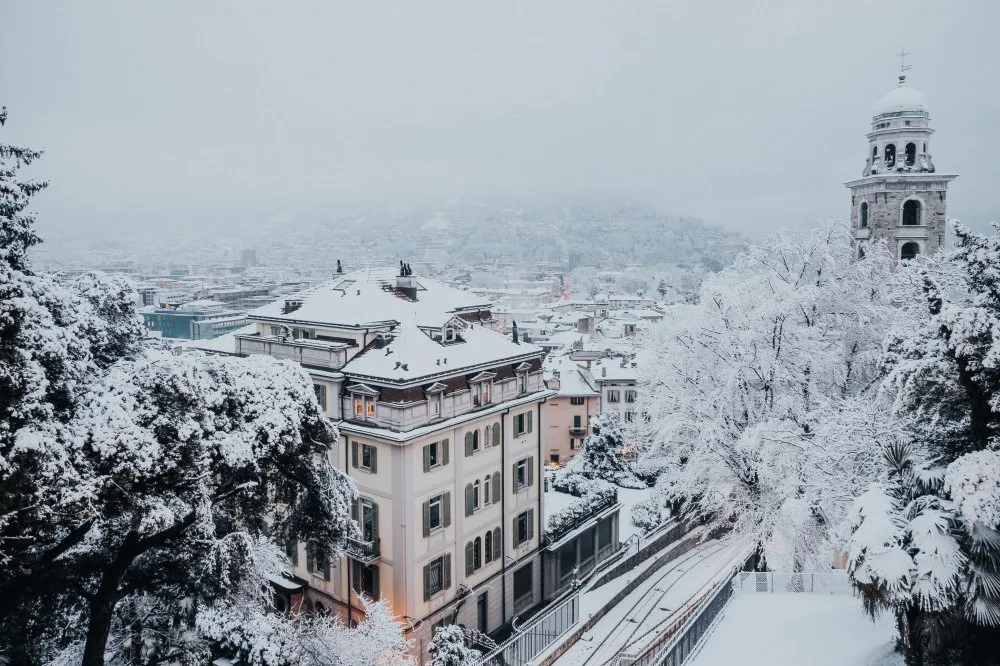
(901, 99)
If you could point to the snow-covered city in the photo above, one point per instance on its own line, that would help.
(511, 334)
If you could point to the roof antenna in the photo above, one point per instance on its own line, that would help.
(903, 67)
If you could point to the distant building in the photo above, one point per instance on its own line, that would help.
(901, 197)
(248, 258)
(616, 379)
(567, 414)
(193, 321)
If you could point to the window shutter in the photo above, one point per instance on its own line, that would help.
(496, 434)
(528, 427)
(374, 460)
(354, 454)
(531, 524)
(531, 471)
(468, 559)
(497, 544)
(326, 566)
(427, 583)
(496, 488)
(427, 518)
(374, 521)
(513, 529)
(427, 458)
(444, 451)
(447, 509)
(468, 444)
(513, 477)
(446, 571)
(468, 500)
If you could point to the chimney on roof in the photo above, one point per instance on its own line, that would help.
(604, 372)
(340, 269)
(405, 284)
(513, 330)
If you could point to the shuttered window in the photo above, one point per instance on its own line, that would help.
(437, 576)
(437, 513)
(523, 474)
(364, 456)
(524, 527)
(436, 454)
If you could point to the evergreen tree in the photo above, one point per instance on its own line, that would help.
(141, 492)
(604, 455)
(448, 647)
(925, 542)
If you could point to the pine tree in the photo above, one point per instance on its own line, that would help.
(605, 455)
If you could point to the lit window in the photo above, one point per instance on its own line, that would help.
(371, 408)
(359, 407)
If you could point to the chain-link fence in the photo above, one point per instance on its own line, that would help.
(776, 581)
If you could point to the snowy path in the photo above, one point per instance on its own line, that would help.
(785, 628)
(637, 618)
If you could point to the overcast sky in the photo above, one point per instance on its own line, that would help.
(747, 114)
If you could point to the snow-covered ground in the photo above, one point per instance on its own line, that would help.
(556, 501)
(786, 628)
(661, 597)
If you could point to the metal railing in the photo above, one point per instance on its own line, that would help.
(535, 637)
(365, 551)
(553, 535)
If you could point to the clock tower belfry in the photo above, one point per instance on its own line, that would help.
(901, 196)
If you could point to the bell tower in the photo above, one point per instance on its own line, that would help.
(900, 197)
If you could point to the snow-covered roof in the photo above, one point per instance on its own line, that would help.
(902, 98)
(370, 297)
(223, 344)
(611, 370)
(574, 379)
(413, 354)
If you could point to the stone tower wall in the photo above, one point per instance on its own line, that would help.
(885, 215)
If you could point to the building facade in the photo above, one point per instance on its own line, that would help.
(901, 197)
(441, 422)
(568, 412)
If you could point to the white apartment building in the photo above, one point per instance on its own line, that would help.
(616, 380)
(440, 423)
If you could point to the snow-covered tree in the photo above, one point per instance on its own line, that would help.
(142, 492)
(448, 648)
(925, 541)
(739, 388)
(604, 456)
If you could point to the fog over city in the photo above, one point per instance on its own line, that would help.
(746, 115)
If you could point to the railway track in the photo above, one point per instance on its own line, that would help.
(640, 610)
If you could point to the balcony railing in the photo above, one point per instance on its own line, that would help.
(364, 551)
(577, 430)
(578, 514)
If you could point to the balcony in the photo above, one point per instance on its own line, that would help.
(316, 353)
(363, 551)
(577, 431)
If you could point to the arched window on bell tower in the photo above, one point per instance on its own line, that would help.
(909, 250)
(911, 213)
(863, 215)
(911, 154)
(890, 155)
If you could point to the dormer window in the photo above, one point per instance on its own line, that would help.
(482, 388)
(364, 398)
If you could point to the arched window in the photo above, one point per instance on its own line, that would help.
(925, 147)
(488, 542)
(911, 213)
(487, 431)
(890, 155)
(477, 554)
(475, 440)
(874, 153)
(911, 154)
(475, 494)
(863, 222)
(486, 490)
(909, 250)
